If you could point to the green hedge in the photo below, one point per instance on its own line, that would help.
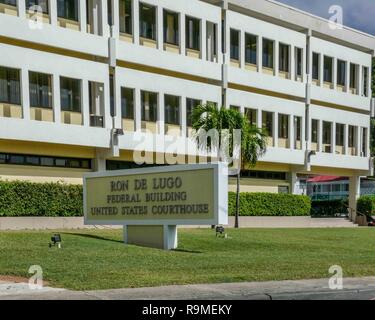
(270, 204)
(329, 208)
(19, 198)
(366, 205)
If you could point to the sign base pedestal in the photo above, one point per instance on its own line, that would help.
(159, 237)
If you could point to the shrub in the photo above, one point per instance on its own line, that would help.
(20, 198)
(329, 208)
(270, 204)
(366, 205)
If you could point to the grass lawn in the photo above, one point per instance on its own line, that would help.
(97, 259)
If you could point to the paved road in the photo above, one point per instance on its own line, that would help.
(354, 289)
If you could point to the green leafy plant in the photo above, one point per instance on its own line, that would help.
(270, 204)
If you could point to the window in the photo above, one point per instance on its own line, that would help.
(283, 57)
(147, 21)
(365, 81)
(267, 122)
(149, 102)
(191, 104)
(298, 128)
(328, 69)
(327, 134)
(234, 44)
(127, 103)
(126, 18)
(251, 115)
(314, 131)
(315, 67)
(9, 2)
(235, 108)
(268, 53)
(268, 175)
(172, 109)
(250, 48)
(341, 73)
(353, 76)
(192, 33)
(171, 33)
(44, 161)
(67, 9)
(41, 3)
(283, 126)
(299, 62)
(10, 89)
(40, 90)
(70, 91)
(211, 41)
(283, 189)
(364, 142)
(340, 134)
(351, 139)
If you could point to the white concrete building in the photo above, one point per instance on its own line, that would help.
(72, 76)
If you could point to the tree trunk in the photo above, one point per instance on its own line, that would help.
(236, 224)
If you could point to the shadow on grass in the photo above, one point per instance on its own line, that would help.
(92, 236)
(186, 251)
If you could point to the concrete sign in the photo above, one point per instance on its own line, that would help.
(157, 199)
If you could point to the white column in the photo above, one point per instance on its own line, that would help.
(260, 53)
(82, 16)
(104, 18)
(107, 103)
(334, 75)
(52, 6)
(137, 110)
(259, 118)
(321, 69)
(85, 102)
(293, 182)
(117, 95)
(183, 116)
(354, 194)
(292, 62)
(347, 74)
(276, 129)
(115, 18)
(161, 107)
(320, 135)
(21, 8)
(358, 140)
(182, 33)
(135, 21)
(160, 28)
(242, 49)
(292, 131)
(304, 67)
(333, 137)
(203, 40)
(359, 80)
(346, 139)
(276, 58)
(56, 98)
(25, 94)
(305, 144)
(218, 43)
(369, 81)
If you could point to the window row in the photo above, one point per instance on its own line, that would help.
(256, 48)
(148, 30)
(45, 161)
(339, 138)
(342, 75)
(41, 98)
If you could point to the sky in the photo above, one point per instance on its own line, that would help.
(358, 14)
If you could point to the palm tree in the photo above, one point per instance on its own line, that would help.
(225, 121)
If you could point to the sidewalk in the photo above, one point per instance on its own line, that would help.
(354, 288)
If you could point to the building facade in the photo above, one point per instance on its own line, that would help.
(84, 82)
